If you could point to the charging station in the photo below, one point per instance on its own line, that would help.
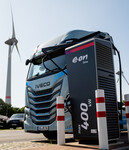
(90, 66)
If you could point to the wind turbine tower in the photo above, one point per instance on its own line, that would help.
(11, 43)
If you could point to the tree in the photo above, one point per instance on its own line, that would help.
(8, 110)
(3, 107)
(22, 109)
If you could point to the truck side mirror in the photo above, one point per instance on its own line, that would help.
(27, 62)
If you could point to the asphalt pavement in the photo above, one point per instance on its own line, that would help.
(8, 136)
(18, 139)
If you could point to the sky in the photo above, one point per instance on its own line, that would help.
(37, 21)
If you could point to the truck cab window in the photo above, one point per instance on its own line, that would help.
(39, 69)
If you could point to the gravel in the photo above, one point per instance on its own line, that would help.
(21, 145)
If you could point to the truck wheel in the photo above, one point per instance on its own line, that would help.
(51, 135)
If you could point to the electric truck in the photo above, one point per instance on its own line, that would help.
(47, 79)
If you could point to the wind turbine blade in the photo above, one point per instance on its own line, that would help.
(118, 80)
(125, 79)
(18, 51)
(11, 50)
(13, 29)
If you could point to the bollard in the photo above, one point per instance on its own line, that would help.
(127, 112)
(60, 120)
(101, 119)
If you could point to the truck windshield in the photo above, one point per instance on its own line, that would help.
(39, 69)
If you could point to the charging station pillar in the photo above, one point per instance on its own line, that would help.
(101, 119)
(89, 67)
(60, 120)
(127, 111)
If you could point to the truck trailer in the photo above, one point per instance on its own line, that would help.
(72, 65)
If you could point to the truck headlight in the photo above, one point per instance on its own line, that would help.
(27, 112)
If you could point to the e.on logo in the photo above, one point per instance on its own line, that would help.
(80, 58)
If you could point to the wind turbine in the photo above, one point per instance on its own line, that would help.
(118, 73)
(11, 43)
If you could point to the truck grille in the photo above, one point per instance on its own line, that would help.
(43, 104)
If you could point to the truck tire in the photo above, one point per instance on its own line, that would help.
(51, 135)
